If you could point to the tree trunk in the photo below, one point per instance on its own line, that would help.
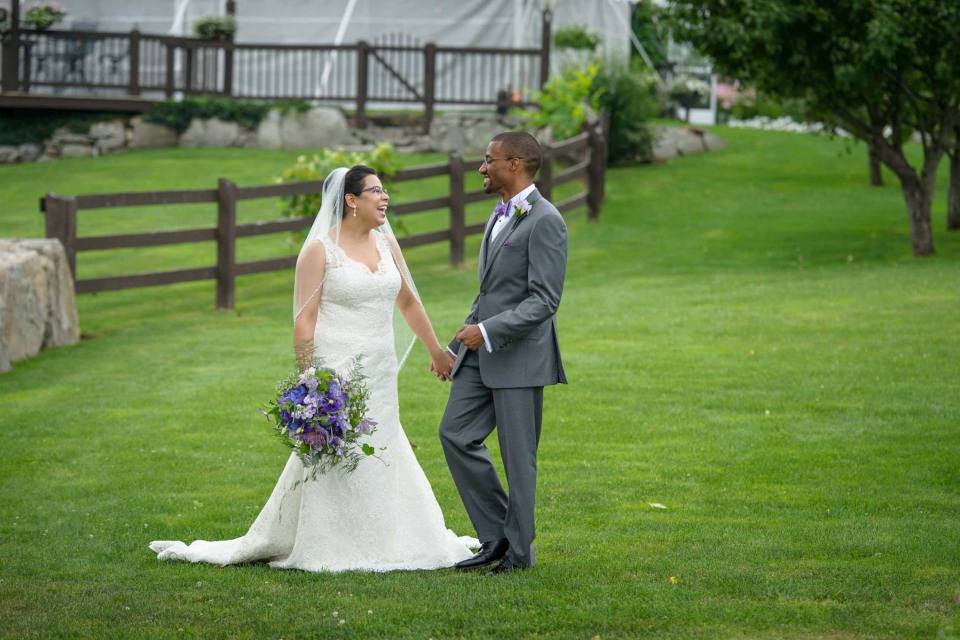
(919, 200)
(876, 176)
(953, 194)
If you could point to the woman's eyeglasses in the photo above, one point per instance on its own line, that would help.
(377, 191)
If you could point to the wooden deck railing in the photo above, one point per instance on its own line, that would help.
(584, 155)
(59, 64)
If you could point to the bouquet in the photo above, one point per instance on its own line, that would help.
(322, 416)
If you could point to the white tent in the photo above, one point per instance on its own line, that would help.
(447, 22)
(469, 23)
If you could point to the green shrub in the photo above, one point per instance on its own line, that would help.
(629, 96)
(292, 105)
(565, 102)
(177, 115)
(215, 27)
(383, 159)
(35, 127)
(575, 38)
(761, 104)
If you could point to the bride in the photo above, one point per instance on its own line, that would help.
(350, 277)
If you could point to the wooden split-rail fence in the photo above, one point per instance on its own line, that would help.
(583, 154)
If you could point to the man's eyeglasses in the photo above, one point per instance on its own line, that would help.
(492, 160)
(377, 191)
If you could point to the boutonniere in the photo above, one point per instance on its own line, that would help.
(521, 208)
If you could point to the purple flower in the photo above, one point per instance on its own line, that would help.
(366, 426)
(295, 395)
(314, 439)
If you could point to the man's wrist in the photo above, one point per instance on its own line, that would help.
(486, 339)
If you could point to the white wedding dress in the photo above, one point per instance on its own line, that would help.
(381, 517)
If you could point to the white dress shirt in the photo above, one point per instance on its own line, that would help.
(499, 226)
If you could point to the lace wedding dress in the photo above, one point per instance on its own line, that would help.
(381, 517)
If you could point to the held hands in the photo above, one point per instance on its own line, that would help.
(471, 336)
(441, 364)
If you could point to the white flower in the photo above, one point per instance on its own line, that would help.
(521, 208)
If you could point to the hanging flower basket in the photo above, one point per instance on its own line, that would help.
(219, 28)
(43, 15)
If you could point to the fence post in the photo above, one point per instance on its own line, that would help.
(545, 37)
(134, 88)
(171, 63)
(226, 242)
(598, 161)
(360, 118)
(228, 68)
(189, 52)
(11, 51)
(458, 214)
(61, 223)
(429, 83)
(545, 183)
(228, 54)
(27, 68)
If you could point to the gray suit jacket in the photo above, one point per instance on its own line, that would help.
(521, 281)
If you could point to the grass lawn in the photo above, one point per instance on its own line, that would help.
(750, 344)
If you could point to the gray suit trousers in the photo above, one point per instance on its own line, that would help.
(473, 410)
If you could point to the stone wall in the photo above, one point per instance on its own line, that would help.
(316, 128)
(37, 306)
(462, 131)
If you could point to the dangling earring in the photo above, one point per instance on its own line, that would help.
(354, 212)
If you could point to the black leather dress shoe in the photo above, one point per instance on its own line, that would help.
(505, 566)
(489, 553)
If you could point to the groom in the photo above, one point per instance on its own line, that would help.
(506, 352)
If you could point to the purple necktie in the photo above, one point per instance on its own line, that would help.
(502, 210)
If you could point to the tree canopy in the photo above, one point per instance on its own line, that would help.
(880, 69)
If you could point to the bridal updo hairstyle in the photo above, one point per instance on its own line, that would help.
(520, 144)
(353, 181)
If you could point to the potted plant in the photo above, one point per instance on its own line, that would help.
(43, 15)
(215, 27)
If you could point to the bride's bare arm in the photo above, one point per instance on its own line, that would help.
(416, 316)
(311, 269)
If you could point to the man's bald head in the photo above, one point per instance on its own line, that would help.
(520, 144)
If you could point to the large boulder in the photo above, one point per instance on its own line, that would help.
(150, 135)
(9, 154)
(466, 133)
(29, 152)
(77, 151)
(212, 132)
(318, 127)
(671, 142)
(108, 136)
(268, 133)
(37, 305)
